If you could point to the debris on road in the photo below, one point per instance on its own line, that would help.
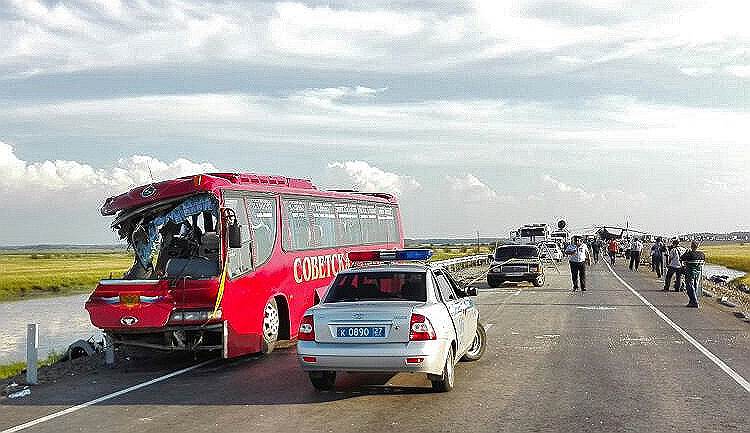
(725, 301)
(14, 390)
(20, 394)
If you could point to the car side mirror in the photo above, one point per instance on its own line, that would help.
(234, 235)
(471, 291)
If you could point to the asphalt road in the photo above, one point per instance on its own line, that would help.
(555, 361)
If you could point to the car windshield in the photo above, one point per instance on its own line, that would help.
(516, 252)
(378, 286)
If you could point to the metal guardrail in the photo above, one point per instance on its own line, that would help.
(462, 262)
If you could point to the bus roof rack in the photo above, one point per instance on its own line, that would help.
(264, 179)
(384, 195)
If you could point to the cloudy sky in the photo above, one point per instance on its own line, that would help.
(481, 115)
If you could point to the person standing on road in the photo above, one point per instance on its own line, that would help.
(596, 246)
(693, 260)
(636, 246)
(579, 257)
(657, 255)
(674, 266)
(612, 249)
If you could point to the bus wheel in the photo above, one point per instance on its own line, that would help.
(271, 324)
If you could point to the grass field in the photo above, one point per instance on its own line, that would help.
(11, 370)
(735, 256)
(43, 274)
(451, 252)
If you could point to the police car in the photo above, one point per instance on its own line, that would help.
(391, 312)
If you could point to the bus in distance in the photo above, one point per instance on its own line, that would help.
(229, 262)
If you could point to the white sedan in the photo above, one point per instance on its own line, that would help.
(391, 317)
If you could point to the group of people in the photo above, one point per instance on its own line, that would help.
(681, 263)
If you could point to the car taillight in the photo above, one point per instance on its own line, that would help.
(307, 329)
(420, 328)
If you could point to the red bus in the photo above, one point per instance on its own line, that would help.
(229, 262)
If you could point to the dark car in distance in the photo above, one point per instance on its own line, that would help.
(516, 263)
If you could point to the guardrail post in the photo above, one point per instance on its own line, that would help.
(32, 353)
(109, 351)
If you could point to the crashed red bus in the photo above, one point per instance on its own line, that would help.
(229, 262)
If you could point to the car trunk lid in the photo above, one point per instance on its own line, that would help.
(364, 322)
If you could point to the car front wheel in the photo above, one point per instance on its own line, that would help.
(538, 281)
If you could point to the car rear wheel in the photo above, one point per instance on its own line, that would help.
(476, 350)
(271, 324)
(447, 379)
(323, 380)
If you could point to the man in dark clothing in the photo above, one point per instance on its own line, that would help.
(693, 260)
(596, 245)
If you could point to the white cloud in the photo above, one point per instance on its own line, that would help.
(75, 35)
(57, 201)
(368, 178)
(565, 188)
(469, 189)
(17, 175)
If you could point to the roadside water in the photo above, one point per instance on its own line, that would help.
(710, 270)
(62, 320)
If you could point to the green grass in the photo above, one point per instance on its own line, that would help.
(451, 252)
(43, 274)
(735, 256)
(15, 368)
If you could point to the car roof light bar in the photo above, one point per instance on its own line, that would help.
(390, 255)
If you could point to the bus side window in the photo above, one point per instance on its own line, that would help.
(239, 258)
(263, 224)
(322, 215)
(297, 237)
(347, 224)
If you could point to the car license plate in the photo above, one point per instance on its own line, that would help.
(360, 332)
(129, 299)
(514, 274)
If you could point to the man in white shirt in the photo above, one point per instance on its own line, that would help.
(674, 266)
(635, 254)
(579, 257)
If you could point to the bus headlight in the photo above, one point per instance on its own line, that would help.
(192, 316)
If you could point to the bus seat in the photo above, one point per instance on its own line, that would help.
(195, 267)
(210, 246)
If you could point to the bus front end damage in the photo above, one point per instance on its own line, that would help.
(167, 300)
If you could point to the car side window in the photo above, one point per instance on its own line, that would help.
(446, 290)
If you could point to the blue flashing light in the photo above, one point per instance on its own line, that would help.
(413, 254)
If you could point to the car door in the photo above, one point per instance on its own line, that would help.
(471, 313)
(455, 308)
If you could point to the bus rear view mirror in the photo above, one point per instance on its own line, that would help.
(234, 235)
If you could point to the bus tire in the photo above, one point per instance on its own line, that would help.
(270, 326)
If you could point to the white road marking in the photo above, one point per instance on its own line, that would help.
(715, 359)
(596, 307)
(488, 326)
(103, 398)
